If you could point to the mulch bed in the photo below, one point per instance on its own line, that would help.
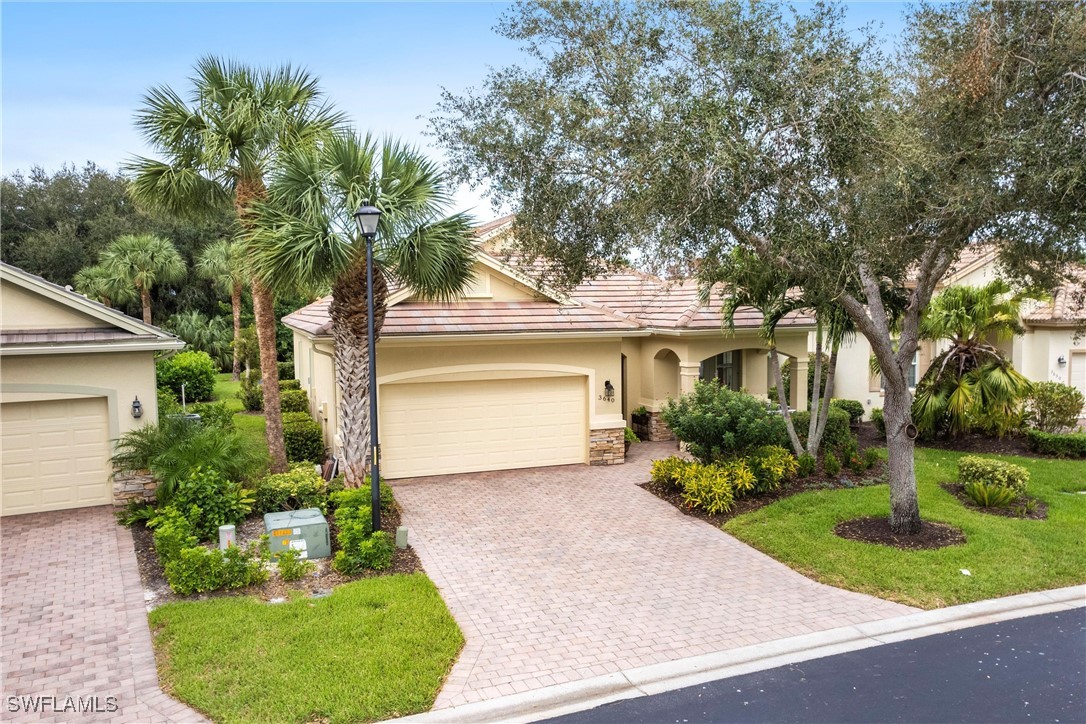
(846, 479)
(318, 583)
(877, 530)
(1020, 508)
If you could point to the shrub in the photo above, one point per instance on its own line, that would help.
(292, 566)
(630, 436)
(669, 470)
(712, 487)
(167, 402)
(195, 370)
(175, 447)
(300, 487)
(214, 501)
(1072, 445)
(1053, 407)
(173, 534)
(199, 569)
(303, 437)
(290, 384)
(990, 495)
(850, 456)
(214, 414)
(838, 432)
(830, 464)
(341, 497)
(717, 423)
(806, 465)
(879, 420)
(854, 408)
(973, 469)
(286, 370)
(294, 401)
(250, 394)
(871, 457)
(772, 465)
(373, 553)
(135, 511)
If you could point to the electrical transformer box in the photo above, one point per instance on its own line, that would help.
(303, 530)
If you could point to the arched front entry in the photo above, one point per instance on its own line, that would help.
(665, 375)
(726, 368)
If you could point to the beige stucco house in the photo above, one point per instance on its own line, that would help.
(70, 371)
(1051, 350)
(512, 375)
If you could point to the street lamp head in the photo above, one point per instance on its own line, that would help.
(367, 217)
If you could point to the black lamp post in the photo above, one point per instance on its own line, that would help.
(367, 217)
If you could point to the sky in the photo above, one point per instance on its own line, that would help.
(73, 73)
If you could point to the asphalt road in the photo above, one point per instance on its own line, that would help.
(1026, 670)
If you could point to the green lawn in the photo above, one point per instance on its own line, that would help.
(373, 649)
(227, 391)
(1003, 555)
(250, 426)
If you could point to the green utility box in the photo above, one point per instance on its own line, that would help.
(304, 530)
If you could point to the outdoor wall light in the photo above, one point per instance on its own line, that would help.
(137, 408)
(1061, 360)
(608, 390)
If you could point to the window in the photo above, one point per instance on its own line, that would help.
(726, 367)
(911, 374)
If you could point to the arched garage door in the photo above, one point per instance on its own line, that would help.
(434, 428)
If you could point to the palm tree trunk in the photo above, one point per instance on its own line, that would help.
(815, 442)
(816, 393)
(349, 330)
(775, 366)
(235, 303)
(264, 312)
(145, 300)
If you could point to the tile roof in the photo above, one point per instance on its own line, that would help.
(62, 336)
(1068, 306)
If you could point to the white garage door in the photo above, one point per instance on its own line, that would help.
(457, 427)
(55, 455)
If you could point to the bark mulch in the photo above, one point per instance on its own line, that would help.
(847, 479)
(1026, 506)
(318, 583)
(877, 530)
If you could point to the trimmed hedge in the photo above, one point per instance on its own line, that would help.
(854, 408)
(293, 401)
(1069, 445)
(195, 370)
(303, 437)
(879, 420)
(973, 469)
(298, 488)
(838, 431)
(286, 370)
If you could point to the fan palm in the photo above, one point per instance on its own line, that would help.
(223, 263)
(103, 285)
(144, 261)
(200, 332)
(971, 382)
(218, 149)
(305, 237)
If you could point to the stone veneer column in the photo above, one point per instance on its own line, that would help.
(607, 446)
(658, 429)
(138, 485)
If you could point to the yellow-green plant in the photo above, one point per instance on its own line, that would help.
(712, 487)
(772, 465)
(669, 470)
(973, 469)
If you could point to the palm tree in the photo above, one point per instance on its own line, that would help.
(200, 332)
(218, 148)
(99, 283)
(223, 263)
(306, 237)
(972, 382)
(144, 261)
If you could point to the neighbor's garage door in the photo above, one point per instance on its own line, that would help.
(55, 455)
(457, 427)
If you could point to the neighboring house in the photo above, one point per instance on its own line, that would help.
(70, 371)
(1051, 350)
(512, 375)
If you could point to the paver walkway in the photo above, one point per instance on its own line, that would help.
(563, 573)
(74, 622)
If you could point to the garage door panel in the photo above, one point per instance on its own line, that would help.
(55, 455)
(447, 427)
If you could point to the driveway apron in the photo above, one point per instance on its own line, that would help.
(74, 631)
(563, 573)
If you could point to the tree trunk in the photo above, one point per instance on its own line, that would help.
(264, 312)
(349, 330)
(815, 442)
(145, 300)
(775, 366)
(897, 413)
(235, 303)
(816, 394)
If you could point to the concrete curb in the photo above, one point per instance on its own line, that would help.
(585, 694)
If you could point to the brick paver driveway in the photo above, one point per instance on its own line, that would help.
(74, 622)
(563, 573)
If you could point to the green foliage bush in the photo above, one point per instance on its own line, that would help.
(167, 402)
(200, 569)
(1071, 445)
(669, 471)
(300, 487)
(1053, 407)
(806, 465)
(990, 495)
(718, 424)
(173, 533)
(838, 431)
(212, 501)
(973, 469)
(713, 487)
(373, 553)
(830, 464)
(294, 401)
(871, 457)
(290, 384)
(195, 370)
(630, 436)
(343, 497)
(303, 437)
(286, 370)
(879, 420)
(292, 566)
(360, 547)
(854, 408)
(772, 465)
(250, 394)
(214, 414)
